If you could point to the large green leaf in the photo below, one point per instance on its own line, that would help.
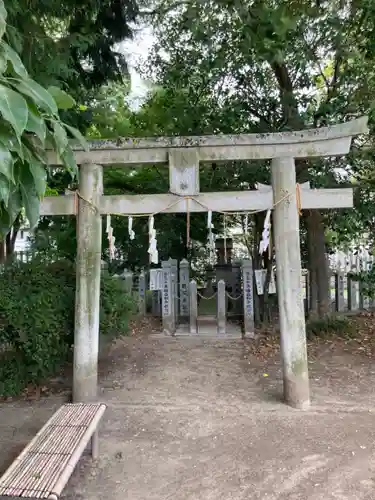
(5, 225)
(60, 137)
(38, 94)
(14, 203)
(39, 174)
(37, 125)
(15, 38)
(62, 99)
(77, 134)
(14, 109)
(4, 189)
(3, 19)
(69, 162)
(10, 141)
(30, 198)
(6, 163)
(15, 60)
(3, 62)
(36, 166)
(31, 147)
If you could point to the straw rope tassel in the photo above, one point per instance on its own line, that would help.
(77, 195)
(187, 224)
(298, 199)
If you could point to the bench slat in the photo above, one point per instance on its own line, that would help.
(75, 415)
(56, 441)
(45, 465)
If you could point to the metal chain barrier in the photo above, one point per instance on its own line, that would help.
(206, 298)
(233, 298)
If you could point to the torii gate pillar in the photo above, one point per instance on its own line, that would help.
(88, 268)
(288, 267)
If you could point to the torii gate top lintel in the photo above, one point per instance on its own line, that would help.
(347, 129)
(325, 141)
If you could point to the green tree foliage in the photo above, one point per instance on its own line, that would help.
(29, 124)
(71, 43)
(274, 65)
(69, 46)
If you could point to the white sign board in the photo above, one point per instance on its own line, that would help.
(260, 278)
(156, 279)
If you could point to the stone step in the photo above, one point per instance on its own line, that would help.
(208, 329)
(207, 318)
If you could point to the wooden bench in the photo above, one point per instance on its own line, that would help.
(44, 467)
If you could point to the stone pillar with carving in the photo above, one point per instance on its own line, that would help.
(248, 298)
(168, 314)
(174, 277)
(184, 289)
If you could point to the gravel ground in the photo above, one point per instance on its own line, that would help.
(202, 420)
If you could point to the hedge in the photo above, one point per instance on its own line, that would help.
(37, 302)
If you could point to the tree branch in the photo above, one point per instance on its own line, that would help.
(159, 11)
(317, 62)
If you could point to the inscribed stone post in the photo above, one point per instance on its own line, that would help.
(193, 307)
(339, 291)
(221, 308)
(169, 322)
(361, 296)
(88, 264)
(184, 289)
(248, 298)
(155, 288)
(174, 276)
(142, 294)
(352, 294)
(127, 276)
(235, 285)
(366, 302)
(370, 264)
(289, 292)
(155, 303)
(332, 289)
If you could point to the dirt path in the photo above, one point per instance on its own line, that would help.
(194, 420)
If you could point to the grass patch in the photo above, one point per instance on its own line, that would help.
(332, 325)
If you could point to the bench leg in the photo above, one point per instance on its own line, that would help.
(95, 445)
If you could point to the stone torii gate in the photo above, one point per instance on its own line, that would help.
(183, 155)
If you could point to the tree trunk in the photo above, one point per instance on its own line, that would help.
(266, 306)
(10, 241)
(312, 292)
(319, 274)
(8, 244)
(313, 308)
(2, 251)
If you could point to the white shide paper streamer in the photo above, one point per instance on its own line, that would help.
(263, 245)
(152, 249)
